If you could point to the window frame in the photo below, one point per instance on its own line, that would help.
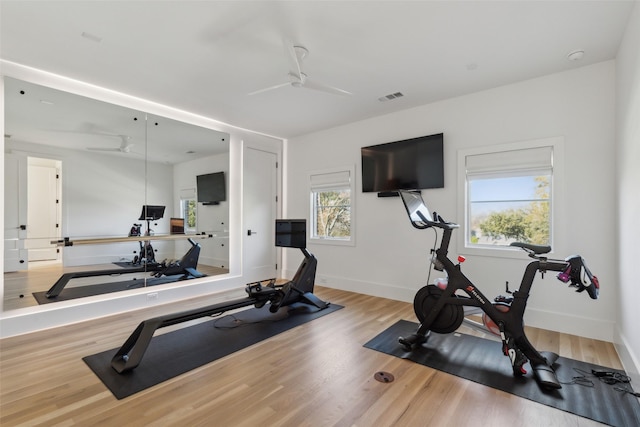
(555, 198)
(331, 185)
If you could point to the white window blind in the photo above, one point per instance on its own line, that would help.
(339, 179)
(524, 160)
(187, 194)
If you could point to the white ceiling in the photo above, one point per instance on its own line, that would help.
(205, 57)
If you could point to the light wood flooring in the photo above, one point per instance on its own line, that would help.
(318, 374)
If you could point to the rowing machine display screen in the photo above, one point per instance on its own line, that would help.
(291, 233)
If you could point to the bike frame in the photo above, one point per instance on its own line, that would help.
(510, 322)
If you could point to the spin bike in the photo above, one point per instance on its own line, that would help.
(441, 308)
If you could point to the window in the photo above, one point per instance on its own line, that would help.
(332, 206)
(189, 209)
(188, 212)
(509, 194)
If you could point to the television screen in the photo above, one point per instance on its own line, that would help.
(291, 233)
(410, 164)
(211, 188)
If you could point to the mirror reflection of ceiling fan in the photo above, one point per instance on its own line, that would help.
(297, 77)
(125, 145)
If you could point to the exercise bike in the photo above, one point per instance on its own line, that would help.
(441, 309)
(147, 255)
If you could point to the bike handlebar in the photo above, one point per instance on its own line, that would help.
(440, 223)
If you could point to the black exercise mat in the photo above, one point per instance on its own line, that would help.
(125, 264)
(180, 351)
(481, 360)
(104, 288)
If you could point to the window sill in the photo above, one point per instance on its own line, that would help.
(332, 242)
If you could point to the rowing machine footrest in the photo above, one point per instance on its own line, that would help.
(193, 272)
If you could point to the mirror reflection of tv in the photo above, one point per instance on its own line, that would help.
(410, 164)
(291, 233)
(211, 188)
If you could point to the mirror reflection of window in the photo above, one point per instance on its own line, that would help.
(188, 210)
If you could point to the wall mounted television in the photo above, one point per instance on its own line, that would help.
(211, 188)
(410, 164)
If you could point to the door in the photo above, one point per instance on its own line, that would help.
(15, 212)
(259, 212)
(43, 213)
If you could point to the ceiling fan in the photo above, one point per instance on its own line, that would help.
(125, 145)
(298, 78)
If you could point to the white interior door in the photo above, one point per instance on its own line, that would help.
(43, 213)
(259, 212)
(15, 212)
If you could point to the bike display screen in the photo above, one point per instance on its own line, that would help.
(416, 208)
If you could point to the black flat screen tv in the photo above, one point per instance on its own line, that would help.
(211, 188)
(410, 164)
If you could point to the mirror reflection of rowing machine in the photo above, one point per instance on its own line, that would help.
(144, 262)
(289, 233)
(186, 267)
(440, 309)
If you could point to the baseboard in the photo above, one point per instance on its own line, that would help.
(382, 290)
(629, 360)
(552, 321)
(574, 325)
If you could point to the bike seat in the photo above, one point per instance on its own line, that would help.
(536, 249)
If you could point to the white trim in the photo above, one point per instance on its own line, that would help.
(339, 182)
(557, 219)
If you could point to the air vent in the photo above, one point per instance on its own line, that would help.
(391, 96)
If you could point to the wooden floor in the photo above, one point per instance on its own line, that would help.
(318, 374)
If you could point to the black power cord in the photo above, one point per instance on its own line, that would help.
(607, 377)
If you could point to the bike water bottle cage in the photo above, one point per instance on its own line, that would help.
(532, 250)
(580, 276)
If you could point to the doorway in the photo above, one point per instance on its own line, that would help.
(33, 211)
(44, 209)
(259, 212)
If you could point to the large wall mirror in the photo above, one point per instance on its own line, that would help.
(131, 193)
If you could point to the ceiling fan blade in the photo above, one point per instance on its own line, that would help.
(103, 149)
(294, 56)
(255, 92)
(312, 84)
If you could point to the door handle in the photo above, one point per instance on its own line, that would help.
(22, 227)
(249, 232)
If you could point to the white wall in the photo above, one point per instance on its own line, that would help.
(102, 196)
(390, 257)
(628, 192)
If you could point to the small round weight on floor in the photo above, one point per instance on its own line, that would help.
(383, 377)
